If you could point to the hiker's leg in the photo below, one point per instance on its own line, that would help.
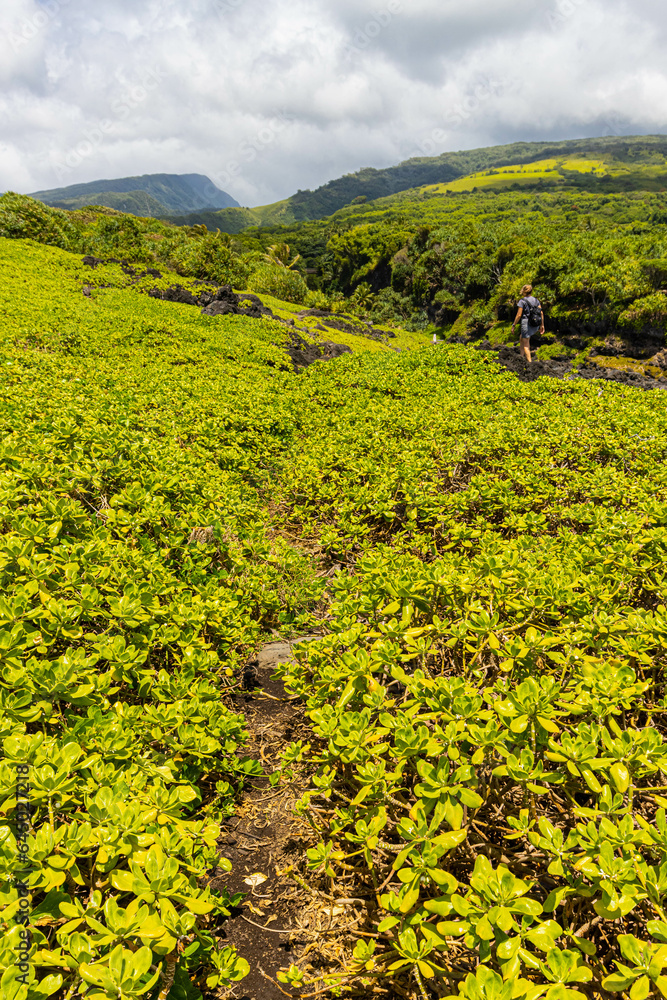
(524, 344)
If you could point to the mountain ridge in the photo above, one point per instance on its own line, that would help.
(171, 197)
(370, 184)
(165, 194)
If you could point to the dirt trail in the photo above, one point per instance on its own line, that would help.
(272, 927)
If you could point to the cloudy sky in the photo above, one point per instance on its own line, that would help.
(269, 96)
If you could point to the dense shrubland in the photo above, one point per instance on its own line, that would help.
(488, 771)
(489, 697)
(129, 426)
(189, 251)
(598, 261)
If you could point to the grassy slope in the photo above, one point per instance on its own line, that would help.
(501, 533)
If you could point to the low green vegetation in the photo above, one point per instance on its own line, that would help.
(487, 771)
(488, 700)
(138, 574)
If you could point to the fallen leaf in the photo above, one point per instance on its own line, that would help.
(254, 880)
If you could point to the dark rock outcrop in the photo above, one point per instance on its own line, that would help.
(304, 353)
(129, 269)
(513, 361)
(639, 348)
(226, 302)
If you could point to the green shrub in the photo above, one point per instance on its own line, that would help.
(24, 218)
(401, 272)
(548, 351)
(280, 282)
(390, 307)
(209, 259)
(648, 311)
(119, 236)
(317, 300)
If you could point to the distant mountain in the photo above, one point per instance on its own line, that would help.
(149, 195)
(190, 199)
(370, 184)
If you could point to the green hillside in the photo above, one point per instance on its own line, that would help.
(635, 162)
(130, 202)
(417, 172)
(227, 220)
(472, 787)
(150, 194)
(587, 231)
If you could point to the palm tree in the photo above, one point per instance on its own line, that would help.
(362, 298)
(279, 254)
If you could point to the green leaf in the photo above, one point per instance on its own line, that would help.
(450, 840)
(658, 930)
(453, 928)
(387, 924)
(640, 988)
(529, 907)
(617, 983)
(124, 881)
(48, 986)
(621, 778)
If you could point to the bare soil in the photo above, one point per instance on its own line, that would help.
(265, 837)
(513, 361)
(289, 915)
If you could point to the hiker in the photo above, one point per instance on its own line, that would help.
(531, 317)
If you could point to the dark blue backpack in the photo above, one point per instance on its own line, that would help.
(534, 311)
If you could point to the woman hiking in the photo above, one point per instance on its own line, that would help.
(531, 317)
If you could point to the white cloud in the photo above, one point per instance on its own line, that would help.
(274, 95)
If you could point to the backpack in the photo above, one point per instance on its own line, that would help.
(534, 311)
